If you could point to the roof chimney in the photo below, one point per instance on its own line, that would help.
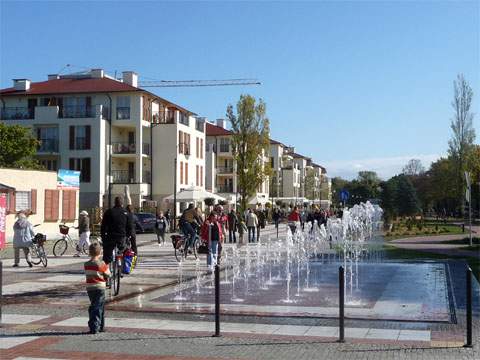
(96, 73)
(130, 78)
(53, 76)
(21, 84)
(222, 123)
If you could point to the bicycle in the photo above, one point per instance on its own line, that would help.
(116, 270)
(38, 253)
(61, 244)
(180, 242)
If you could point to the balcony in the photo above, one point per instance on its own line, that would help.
(48, 146)
(123, 177)
(184, 119)
(76, 111)
(18, 113)
(123, 148)
(123, 113)
(200, 125)
(224, 170)
(225, 189)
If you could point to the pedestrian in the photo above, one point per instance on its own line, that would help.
(96, 273)
(242, 229)
(293, 219)
(232, 226)
(169, 219)
(115, 230)
(83, 232)
(161, 226)
(276, 217)
(212, 234)
(261, 222)
(252, 223)
(134, 222)
(22, 238)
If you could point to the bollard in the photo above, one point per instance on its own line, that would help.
(463, 228)
(341, 304)
(469, 308)
(277, 229)
(217, 301)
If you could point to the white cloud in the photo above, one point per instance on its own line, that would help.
(385, 167)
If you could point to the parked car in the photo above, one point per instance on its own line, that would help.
(147, 221)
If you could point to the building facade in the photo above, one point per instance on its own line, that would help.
(107, 129)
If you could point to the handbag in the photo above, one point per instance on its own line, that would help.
(203, 249)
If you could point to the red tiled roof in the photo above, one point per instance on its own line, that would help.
(214, 130)
(71, 86)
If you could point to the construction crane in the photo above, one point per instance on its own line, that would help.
(195, 83)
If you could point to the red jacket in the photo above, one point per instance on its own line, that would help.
(294, 216)
(204, 231)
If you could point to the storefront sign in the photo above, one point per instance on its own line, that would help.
(68, 179)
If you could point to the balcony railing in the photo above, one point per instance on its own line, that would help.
(170, 118)
(225, 188)
(123, 177)
(146, 177)
(123, 148)
(17, 113)
(76, 111)
(224, 148)
(146, 149)
(123, 113)
(48, 146)
(225, 170)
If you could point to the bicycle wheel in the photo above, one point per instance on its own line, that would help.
(116, 277)
(60, 247)
(35, 255)
(43, 255)
(179, 253)
(195, 246)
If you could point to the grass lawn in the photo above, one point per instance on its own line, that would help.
(428, 230)
(392, 252)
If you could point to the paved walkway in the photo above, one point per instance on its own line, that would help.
(438, 244)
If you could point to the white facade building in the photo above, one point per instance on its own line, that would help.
(107, 129)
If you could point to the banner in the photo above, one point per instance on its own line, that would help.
(3, 220)
(68, 179)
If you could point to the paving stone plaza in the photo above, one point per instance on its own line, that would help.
(394, 309)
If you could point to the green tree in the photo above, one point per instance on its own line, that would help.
(414, 167)
(370, 181)
(310, 191)
(250, 141)
(406, 200)
(463, 136)
(337, 185)
(442, 186)
(388, 199)
(18, 147)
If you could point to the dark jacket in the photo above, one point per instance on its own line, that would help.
(115, 224)
(232, 221)
(133, 223)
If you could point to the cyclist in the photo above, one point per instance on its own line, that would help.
(83, 231)
(189, 224)
(115, 229)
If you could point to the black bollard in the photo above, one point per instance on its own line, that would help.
(217, 301)
(341, 304)
(469, 308)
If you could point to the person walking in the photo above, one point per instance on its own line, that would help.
(115, 229)
(83, 232)
(261, 222)
(252, 223)
(22, 238)
(161, 226)
(293, 219)
(276, 217)
(169, 219)
(232, 226)
(134, 222)
(211, 233)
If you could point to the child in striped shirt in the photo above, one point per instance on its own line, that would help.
(96, 272)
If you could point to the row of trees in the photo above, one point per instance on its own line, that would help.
(441, 188)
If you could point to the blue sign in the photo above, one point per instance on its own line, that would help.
(68, 179)
(344, 195)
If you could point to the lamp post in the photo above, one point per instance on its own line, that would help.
(175, 190)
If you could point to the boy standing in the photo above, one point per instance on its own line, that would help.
(96, 272)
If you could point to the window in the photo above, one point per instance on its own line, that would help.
(48, 137)
(224, 145)
(49, 164)
(69, 200)
(180, 142)
(75, 107)
(82, 165)
(196, 174)
(80, 137)
(201, 148)
(123, 107)
(184, 119)
(201, 175)
(197, 144)
(22, 200)
(186, 173)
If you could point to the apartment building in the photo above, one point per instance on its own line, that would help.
(107, 129)
(221, 167)
(285, 171)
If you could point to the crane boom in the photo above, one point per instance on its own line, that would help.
(194, 83)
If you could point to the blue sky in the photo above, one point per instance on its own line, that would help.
(355, 85)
